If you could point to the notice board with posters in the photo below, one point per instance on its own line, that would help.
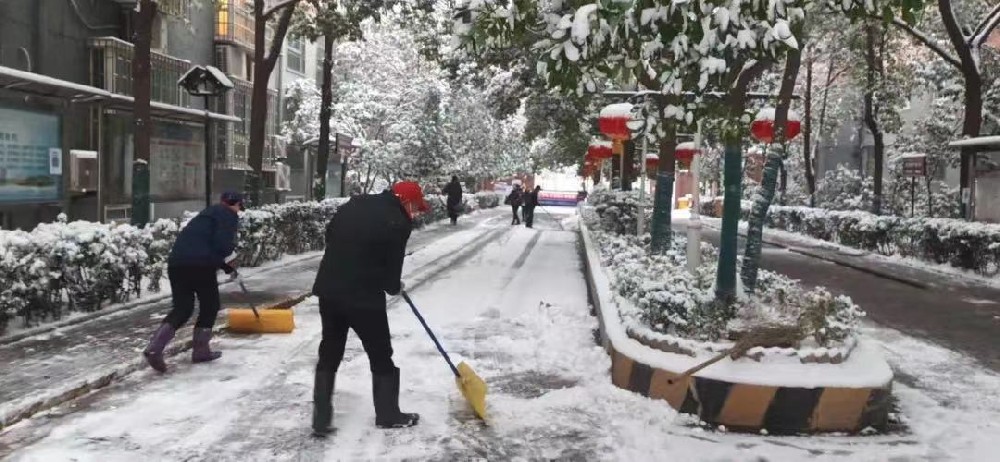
(30, 157)
(176, 162)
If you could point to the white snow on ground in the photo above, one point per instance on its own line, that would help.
(518, 314)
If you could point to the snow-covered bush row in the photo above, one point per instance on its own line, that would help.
(670, 301)
(961, 244)
(81, 266)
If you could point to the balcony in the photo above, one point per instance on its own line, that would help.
(111, 70)
(234, 23)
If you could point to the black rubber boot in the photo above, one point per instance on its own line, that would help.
(200, 351)
(385, 392)
(154, 352)
(323, 403)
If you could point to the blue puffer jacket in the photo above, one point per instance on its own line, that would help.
(207, 239)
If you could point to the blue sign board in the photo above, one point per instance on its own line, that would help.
(30, 157)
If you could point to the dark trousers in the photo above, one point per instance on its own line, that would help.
(517, 219)
(529, 216)
(369, 321)
(186, 283)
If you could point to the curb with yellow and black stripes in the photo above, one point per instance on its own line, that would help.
(738, 406)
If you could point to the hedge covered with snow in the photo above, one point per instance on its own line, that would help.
(61, 267)
(959, 243)
(670, 301)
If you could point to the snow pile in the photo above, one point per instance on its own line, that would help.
(665, 303)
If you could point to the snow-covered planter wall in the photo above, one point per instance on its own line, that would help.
(961, 244)
(658, 320)
(61, 267)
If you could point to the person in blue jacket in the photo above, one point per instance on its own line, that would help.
(206, 245)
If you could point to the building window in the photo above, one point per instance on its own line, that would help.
(296, 55)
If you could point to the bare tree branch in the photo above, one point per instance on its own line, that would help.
(965, 59)
(926, 40)
(983, 30)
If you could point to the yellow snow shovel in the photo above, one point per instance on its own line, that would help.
(471, 385)
(264, 321)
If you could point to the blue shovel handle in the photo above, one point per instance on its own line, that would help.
(454, 369)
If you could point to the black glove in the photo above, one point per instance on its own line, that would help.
(233, 274)
(395, 291)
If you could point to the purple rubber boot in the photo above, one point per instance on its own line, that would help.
(154, 352)
(200, 353)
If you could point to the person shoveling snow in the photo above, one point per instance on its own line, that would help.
(365, 247)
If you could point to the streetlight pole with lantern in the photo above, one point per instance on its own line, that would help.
(206, 81)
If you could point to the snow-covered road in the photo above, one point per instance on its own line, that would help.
(512, 302)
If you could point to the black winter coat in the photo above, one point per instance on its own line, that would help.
(454, 192)
(365, 246)
(530, 199)
(207, 239)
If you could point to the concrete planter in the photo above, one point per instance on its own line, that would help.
(744, 395)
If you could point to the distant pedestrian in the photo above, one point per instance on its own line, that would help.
(515, 199)
(530, 202)
(203, 247)
(365, 247)
(454, 192)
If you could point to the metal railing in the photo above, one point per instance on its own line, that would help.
(111, 61)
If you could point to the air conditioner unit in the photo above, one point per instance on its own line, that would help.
(282, 177)
(117, 213)
(82, 171)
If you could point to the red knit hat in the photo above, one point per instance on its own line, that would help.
(412, 197)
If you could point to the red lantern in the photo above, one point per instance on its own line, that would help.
(684, 152)
(762, 128)
(613, 123)
(652, 161)
(600, 150)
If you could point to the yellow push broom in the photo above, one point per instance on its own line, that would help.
(471, 385)
(265, 321)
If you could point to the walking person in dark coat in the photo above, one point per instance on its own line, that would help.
(530, 202)
(515, 199)
(365, 246)
(454, 192)
(203, 247)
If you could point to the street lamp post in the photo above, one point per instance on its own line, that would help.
(694, 222)
(637, 125)
(206, 81)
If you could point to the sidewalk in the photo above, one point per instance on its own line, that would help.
(50, 368)
(64, 362)
(960, 313)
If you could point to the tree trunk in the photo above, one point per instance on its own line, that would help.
(142, 92)
(783, 185)
(822, 123)
(326, 100)
(265, 58)
(725, 285)
(660, 228)
(775, 156)
(807, 135)
(725, 279)
(971, 124)
(871, 114)
(628, 171)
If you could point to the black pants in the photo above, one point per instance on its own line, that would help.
(368, 320)
(529, 216)
(517, 219)
(187, 282)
